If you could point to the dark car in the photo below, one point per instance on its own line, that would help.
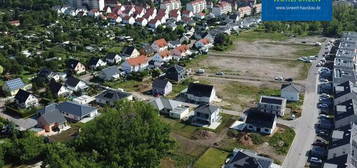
(289, 79)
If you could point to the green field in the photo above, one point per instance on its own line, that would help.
(251, 36)
(212, 158)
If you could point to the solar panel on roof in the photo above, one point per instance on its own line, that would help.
(15, 84)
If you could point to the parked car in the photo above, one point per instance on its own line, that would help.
(279, 78)
(325, 96)
(323, 80)
(315, 160)
(220, 73)
(289, 79)
(322, 105)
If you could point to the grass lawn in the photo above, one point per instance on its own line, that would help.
(306, 50)
(130, 85)
(212, 158)
(281, 140)
(243, 94)
(180, 128)
(251, 36)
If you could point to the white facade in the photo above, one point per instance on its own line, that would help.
(196, 6)
(179, 113)
(202, 99)
(80, 86)
(170, 5)
(261, 130)
(31, 101)
(129, 20)
(222, 8)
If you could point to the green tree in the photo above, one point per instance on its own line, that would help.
(129, 135)
(1, 69)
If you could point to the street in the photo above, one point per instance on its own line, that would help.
(305, 131)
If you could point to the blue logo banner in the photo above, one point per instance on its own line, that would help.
(297, 10)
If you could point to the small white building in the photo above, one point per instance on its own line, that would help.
(160, 45)
(201, 93)
(135, 64)
(196, 6)
(260, 122)
(290, 92)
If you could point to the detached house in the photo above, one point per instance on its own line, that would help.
(150, 14)
(201, 93)
(139, 11)
(113, 17)
(206, 115)
(13, 86)
(161, 87)
(75, 84)
(57, 89)
(51, 119)
(196, 6)
(76, 66)
(130, 52)
(242, 158)
(264, 123)
(176, 73)
(110, 97)
(175, 15)
(113, 58)
(75, 111)
(273, 105)
(244, 11)
(159, 45)
(187, 14)
(203, 43)
(222, 8)
(173, 108)
(110, 73)
(181, 52)
(290, 92)
(95, 63)
(135, 64)
(25, 99)
(161, 57)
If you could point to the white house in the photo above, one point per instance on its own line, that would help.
(141, 22)
(159, 45)
(154, 23)
(196, 6)
(273, 105)
(130, 52)
(95, 63)
(161, 57)
(110, 73)
(76, 66)
(201, 93)
(75, 111)
(290, 92)
(206, 115)
(222, 8)
(128, 20)
(264, 123)
(181, 51)
(25, 99)
(57, 89)
(13, 86)
(203, 43)
(161, 87)
(135, 64)
(113, 58)
(75, 84)
(170, 5)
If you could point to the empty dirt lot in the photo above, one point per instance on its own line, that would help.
(263, 58)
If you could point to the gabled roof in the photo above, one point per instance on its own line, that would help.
(72, 81)
(22, 96)
(128, 50)
(200, 90)
(111, 71)
(55, 87)
(164, 53)
(163, 103)
(248, 159)
(137, 60)
(153, 21)
(51, 114)
(204, 41)
(290, 87)
(72, 63)
(160, 43)
(15, 84)
(111, 56)
(160, 83)
(75, 109)
(45, 72)
(260, 119)
(113, 95)
(182, 48)
(176, 69)
(271, 100)
(93, 61)
(206, 109)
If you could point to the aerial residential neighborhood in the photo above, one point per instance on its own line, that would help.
(175, 83)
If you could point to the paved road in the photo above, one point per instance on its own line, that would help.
(305, 132)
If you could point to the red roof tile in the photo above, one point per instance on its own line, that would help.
(137, 60)
(161, 42)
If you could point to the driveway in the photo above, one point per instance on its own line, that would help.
(305, 132)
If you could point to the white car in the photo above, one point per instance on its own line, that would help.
(279, 78)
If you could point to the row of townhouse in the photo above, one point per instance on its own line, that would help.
(342, 147)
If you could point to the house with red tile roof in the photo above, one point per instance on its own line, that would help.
(175, 15)
(159, 45)
(114, 17)
(128, 20)
(135, 64)
(187, 13)
(161, 57)
(150, 14)
(205, 42)
(139, 11)
(141, 22)
(181, 51)
(107, 10)
(14, 23)
(196, 6)
(154, 23)
(200, 15)
(170, 5)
